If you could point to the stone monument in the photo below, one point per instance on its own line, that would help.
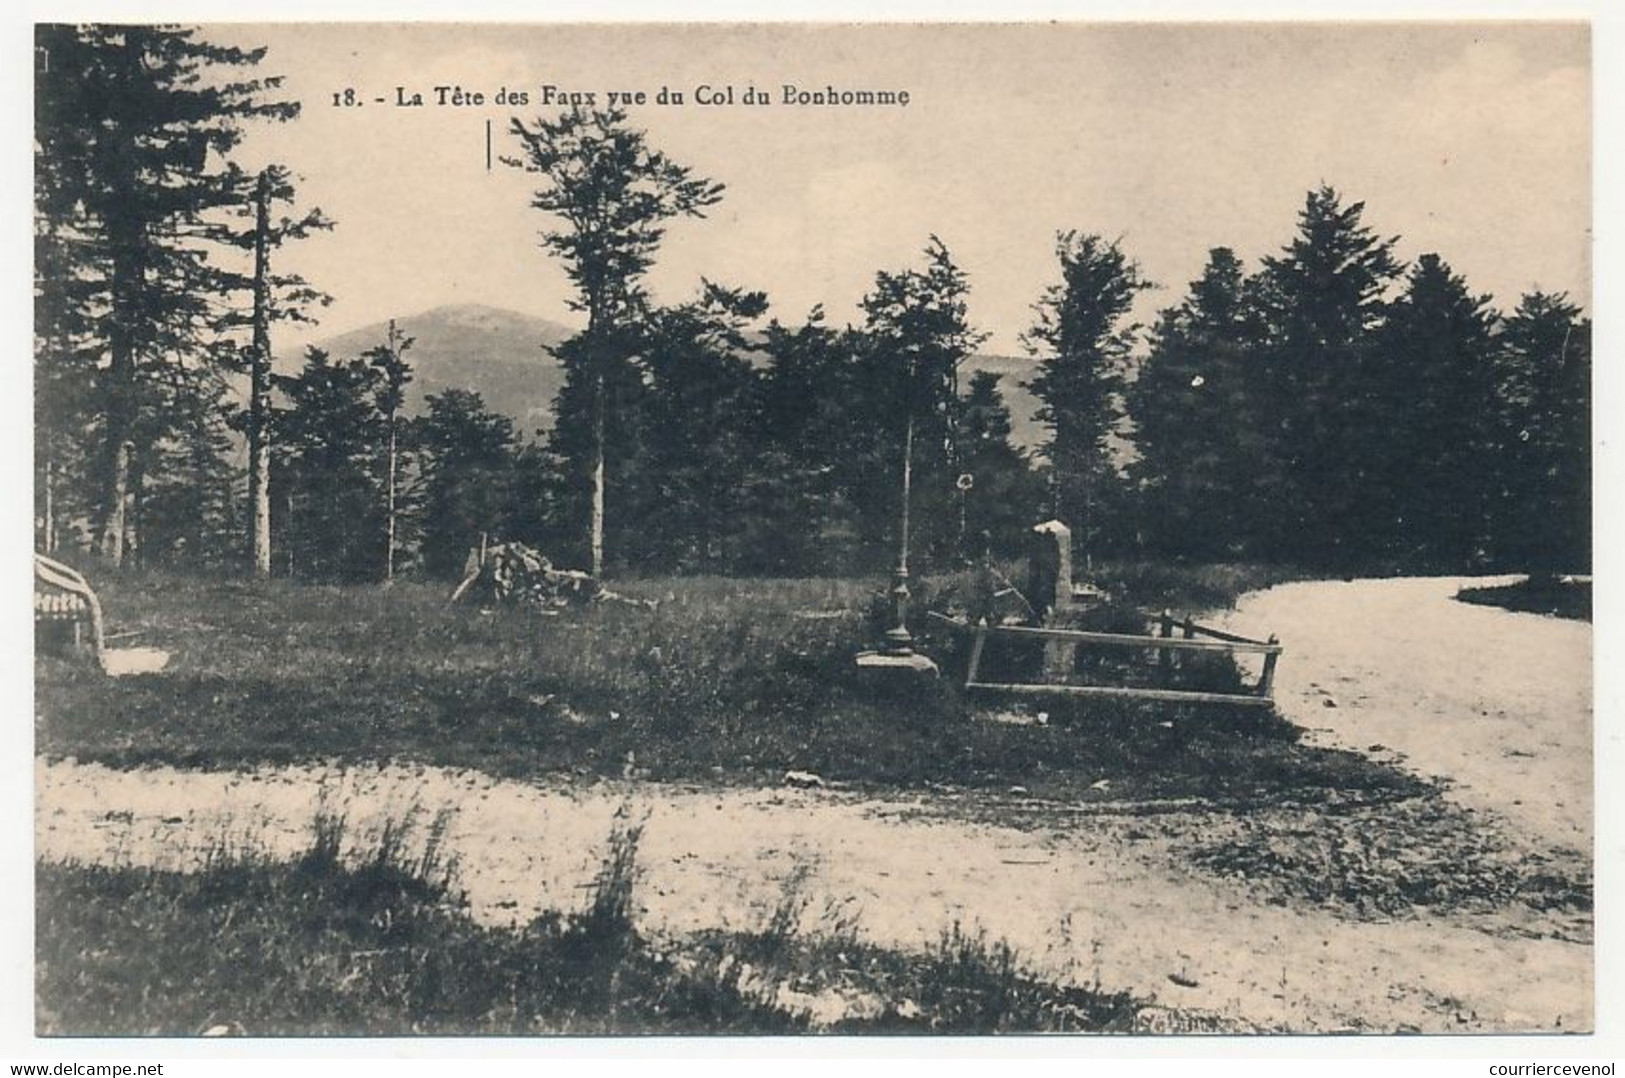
(1049, 587)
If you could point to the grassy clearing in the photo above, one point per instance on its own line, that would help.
(729, 681)
(1551, 596)
(377, 941)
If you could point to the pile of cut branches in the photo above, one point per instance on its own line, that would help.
(502, 574)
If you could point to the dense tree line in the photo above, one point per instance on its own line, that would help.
(737, 447)
(1337, 408)
(1330, 407)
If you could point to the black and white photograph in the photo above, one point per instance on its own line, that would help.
(778, 529)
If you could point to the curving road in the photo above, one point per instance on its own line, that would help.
(1497, 704)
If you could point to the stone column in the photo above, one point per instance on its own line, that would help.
(1050, 589)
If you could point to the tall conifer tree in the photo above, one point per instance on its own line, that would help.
(612, 195)
(1543, 501)
(1326, 299)
(1432, 456)
(1082, 341)
(133, 128)
(1198, 426)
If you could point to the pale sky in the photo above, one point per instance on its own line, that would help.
(1472, 140)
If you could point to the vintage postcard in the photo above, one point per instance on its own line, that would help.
(764, 528)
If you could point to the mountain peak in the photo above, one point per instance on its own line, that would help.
(484, 316)
(498, 353)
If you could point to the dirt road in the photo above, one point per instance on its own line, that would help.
(1496, 703)
(1091, 896)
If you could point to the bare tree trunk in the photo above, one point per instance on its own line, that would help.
(389, 549)
(113, 521)
(259, 405)
(48, 540)
(393, 342)
(598, 478)
(287, 524)
(127, 280)
(121, 404)
(132, 519)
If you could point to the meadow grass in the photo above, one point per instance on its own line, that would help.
(728, 681)
(378, 941)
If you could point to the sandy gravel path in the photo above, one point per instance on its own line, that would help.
(1496, 703)
(1081, 896)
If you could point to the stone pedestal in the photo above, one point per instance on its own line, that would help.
(1049, 587)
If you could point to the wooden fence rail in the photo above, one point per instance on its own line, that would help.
(1166, 645)
(1217, 634)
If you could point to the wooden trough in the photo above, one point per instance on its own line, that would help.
(1194, 637)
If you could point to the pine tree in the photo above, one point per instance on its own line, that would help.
(824, 440)
(613, 195)
(395, 373)
(1198, 425)
(538, 489)
(188, 511)
(132, 126)
(1082, 343)
(1432, 462)
(616, 394)
(1325, 298)
(467, 467)
(66, 355)
(327, 471)
(275, 297)
(1543, 503)
(700, 426)
(917, 333)
(1005, 495)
